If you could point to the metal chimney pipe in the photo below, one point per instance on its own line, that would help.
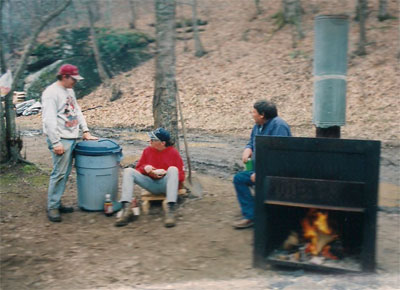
(330, 69)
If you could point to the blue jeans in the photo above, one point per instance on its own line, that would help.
(242, 183)
(168, 184)
(62, 165)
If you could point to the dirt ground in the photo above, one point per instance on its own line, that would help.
(86, 251)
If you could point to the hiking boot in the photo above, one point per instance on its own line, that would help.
(54, 215)
(126, 215)
(169, 221)
(65, 209)
(243, 224)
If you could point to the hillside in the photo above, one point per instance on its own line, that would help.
(248, 60)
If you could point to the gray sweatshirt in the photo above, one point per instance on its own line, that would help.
(61, 114)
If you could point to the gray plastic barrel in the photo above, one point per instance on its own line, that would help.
(97, 168)
(330, 69)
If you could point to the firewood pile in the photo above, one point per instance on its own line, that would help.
(19, 96)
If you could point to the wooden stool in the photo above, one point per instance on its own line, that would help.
(147, 197)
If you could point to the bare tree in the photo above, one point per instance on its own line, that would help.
(164, 99)
(108, 13)
(398, 47)
(383, 14)
(3, 65)
(12, 138)
(258, 7)
(3, 144)
(185, 35)
(362, 6)
(11, 31)
(292, 15)
(3, 141)
(132, 6)
(102, 72)
(362, 14)
(199, 50)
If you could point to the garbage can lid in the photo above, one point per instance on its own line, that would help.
(97, 147)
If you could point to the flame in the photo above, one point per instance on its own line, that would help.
(316, 229)
(326, 253)
(322, 223)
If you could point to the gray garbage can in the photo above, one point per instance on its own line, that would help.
(97, 169)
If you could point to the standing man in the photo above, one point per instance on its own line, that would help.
(62, 118)
(159, 170)
(267, 123)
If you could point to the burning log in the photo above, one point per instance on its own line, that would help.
(291, 242)
(323, 240)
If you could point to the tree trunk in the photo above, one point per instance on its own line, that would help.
(398, 47)
(132, 6)
(10, 28)
(108, 13)
(165, 89)
(383, 14)
(3, 65)
(199, 50)
(258, 7)
(362, 5)
(186, 35)
(292, 15)
(102, 72)
(13, 140)
(3, 143)
(74, 17)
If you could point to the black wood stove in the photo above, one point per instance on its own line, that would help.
(301, 179)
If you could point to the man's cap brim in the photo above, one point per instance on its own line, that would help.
(152, 135)
(77, 77)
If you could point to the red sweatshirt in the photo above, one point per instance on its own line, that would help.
(161, 160)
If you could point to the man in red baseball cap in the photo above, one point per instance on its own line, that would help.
(70, 70)
(62, 118)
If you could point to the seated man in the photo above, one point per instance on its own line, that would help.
(267, 123)
(159, 170)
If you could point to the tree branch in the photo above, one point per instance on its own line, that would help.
(12, 138)
(32, 42)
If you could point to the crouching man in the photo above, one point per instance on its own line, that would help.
(159, 170)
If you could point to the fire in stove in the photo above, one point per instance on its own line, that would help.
(316, 242)
(318, 233)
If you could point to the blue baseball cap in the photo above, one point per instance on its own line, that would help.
(160, 134)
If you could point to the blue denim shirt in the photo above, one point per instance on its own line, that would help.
(274, 127)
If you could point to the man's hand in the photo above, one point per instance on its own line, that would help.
(88, 136)
(59, 149)
(154, 173)
(246, 154)
(160, 172)
(148, 169)
(253, 177)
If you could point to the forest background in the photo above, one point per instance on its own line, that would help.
(250, 54)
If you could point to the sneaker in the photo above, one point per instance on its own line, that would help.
(65, 209)
(243, 224)
(169, 221)
(54, 215)
(125, 217)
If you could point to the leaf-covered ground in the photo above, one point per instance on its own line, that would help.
(248, 60)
